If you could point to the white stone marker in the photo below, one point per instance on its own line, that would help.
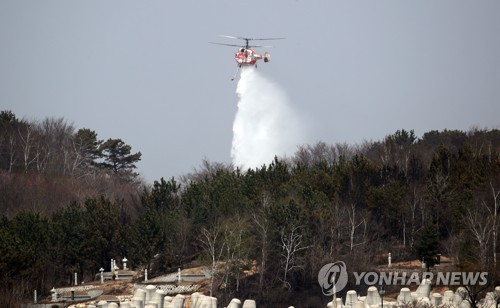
(372, 297)
(159, 297)
(249, 303)
(178, 301)
(448, 297)
(235, 303)
(437, 299)
(150, 291)
(424, 289)
(404, 297)
(125, 304)
(351, 298)
(102, 275)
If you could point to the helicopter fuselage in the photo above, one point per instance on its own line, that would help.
(248, 56)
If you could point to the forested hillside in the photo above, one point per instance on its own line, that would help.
(72, 202)
(45, 165)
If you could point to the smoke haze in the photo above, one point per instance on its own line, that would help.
(265, 126)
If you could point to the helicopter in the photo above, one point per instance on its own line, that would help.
(246, 55)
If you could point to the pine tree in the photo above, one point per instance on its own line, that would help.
(117, 157)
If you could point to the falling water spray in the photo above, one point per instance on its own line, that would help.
(265, 126)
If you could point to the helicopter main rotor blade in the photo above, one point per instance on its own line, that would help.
(267, 39)
(226, 44)
(252, 39)
(234, 45)
(233, 37)
(257, 46)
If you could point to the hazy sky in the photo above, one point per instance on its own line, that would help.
(143, 71)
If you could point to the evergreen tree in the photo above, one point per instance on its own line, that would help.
(118, 158)
(427, 245)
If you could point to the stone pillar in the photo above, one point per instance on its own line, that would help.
(34, 298)
(448, 297)
(145, 274)
(490, 298)
(424, 289)
(137, 302)
(167, 299)
(235, 303)
(178, 301)
(359, 304)
(112, 267)
(102, 275)
(372, 297)
(139, 295)
(249, 303)
(53, 292)
(179, 274)
(102, 304)
(124, 263)
(204, 301)
(125, 304)
(158, 298)
(116, 271)
(457, 298)
(404, 297)
(436, 300)
(194, 299)
(424, 302)
(465, 304)
(150, 291)
(389, 260)
(76, 279)
(351, 298)
(337, 303)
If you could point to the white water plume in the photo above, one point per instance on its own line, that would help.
(265, 126)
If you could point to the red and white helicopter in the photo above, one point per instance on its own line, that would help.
(246, 56)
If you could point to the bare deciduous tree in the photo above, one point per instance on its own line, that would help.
(480, 226)
(354, 224)
(27, 144)
(262, 221)
(214, 245)
(494, 217)
(12, 151)
(291, 244)
(236, 252)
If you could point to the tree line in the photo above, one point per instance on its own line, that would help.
(265, 232)
(54, 163)
(53, 147)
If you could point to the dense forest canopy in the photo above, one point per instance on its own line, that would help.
(71, 202)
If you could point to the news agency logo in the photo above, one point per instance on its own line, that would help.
(332, 278)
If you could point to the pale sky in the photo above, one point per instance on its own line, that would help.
(143, 71)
